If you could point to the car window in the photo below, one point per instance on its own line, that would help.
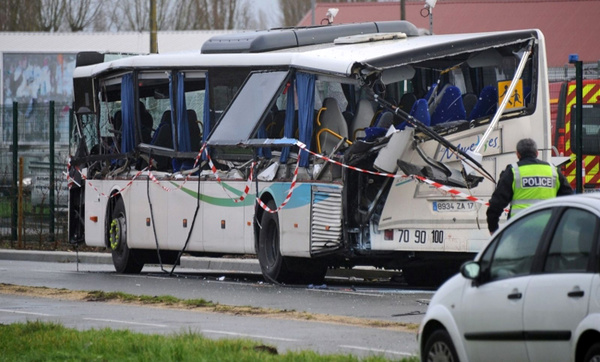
(515, 250)
(572, 242)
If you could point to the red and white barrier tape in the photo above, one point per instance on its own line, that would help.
(302, 147)
(115, 193)
(248, 182)
(150, 175)
(385, 174)
(196, 160)
(247, 188)
(437, 185)
(289, 194)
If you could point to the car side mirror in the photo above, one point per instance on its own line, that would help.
(470, 270)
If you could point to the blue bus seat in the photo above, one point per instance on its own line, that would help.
(486, 104)
(450, 106)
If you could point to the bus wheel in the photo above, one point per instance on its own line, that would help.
(271, 261)
(123, 257)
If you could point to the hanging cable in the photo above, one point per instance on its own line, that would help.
(152, 218)
(191, 227)
(257, 204)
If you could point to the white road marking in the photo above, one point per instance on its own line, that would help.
(27, 313)
(248, 335)
(126, 322)
(377, 350)
(333, 291)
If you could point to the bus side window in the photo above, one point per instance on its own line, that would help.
(117, 122)
(163, 137)
(331, 126)
(147, 123)
(195, 133)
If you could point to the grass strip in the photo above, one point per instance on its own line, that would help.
(44, 341)
(200, 305)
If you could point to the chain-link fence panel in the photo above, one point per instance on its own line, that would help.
(567, 72)
(31, 216)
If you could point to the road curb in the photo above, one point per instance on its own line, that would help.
(54, 256)
(222, 264)
(199, 263)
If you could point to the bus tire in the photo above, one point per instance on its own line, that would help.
(123, 258)
(272, 263)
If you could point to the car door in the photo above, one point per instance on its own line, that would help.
(557, 299)
(492, 313)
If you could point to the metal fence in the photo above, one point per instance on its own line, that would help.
(32, 207)
(567, 72)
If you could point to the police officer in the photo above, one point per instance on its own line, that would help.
(523, 183)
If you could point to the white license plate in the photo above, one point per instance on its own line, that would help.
(453, 206)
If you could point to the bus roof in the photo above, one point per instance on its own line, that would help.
(379, 55)
(286, 38)
(327, 57)
(181, 60)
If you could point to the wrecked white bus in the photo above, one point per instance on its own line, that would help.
(312, 148)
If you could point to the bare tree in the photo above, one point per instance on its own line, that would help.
(293, 11)
(127, 15)
(248, 19)
(198, 10)
(134, 15)
(209, 14)
(52, 13)
(103, 22)
(245, 18)
(166, 16)
(81, 13)
(223, 13)
(183, 16)
(18, 15)
(179, 15)
(113, 15)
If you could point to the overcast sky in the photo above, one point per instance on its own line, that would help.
(271, 9)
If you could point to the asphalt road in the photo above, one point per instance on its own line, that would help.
(219, 283)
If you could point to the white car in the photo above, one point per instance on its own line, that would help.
(533, 294)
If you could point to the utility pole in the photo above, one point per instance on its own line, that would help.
(153, 31)
(402, 9)
(52, 181)
(574, 59)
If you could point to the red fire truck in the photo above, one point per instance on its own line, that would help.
(562, 106)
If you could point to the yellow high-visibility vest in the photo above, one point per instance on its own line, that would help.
(532, 183)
